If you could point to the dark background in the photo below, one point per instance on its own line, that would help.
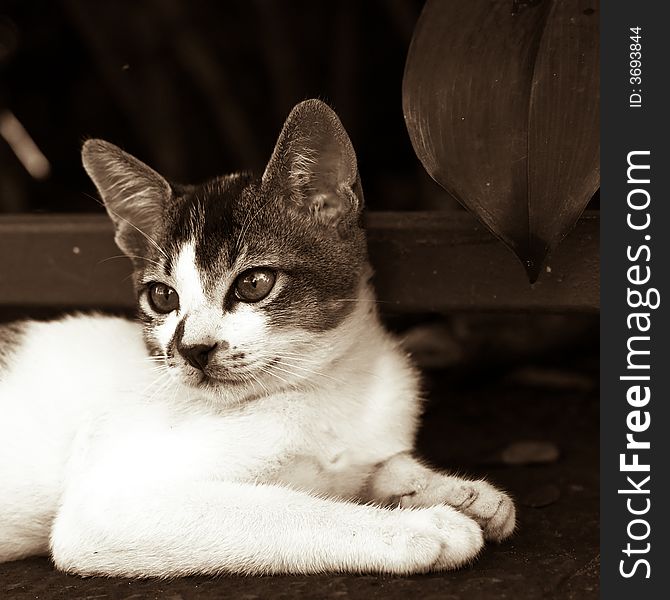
(199, 88)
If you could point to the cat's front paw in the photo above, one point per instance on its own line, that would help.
(403, 481)
(491, 508)
(435, 538)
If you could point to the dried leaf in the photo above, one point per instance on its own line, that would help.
(501, 104)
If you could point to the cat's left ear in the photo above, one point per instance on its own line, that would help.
(313, 166)
(134, 194)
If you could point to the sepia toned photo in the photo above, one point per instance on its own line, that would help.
(301, 299)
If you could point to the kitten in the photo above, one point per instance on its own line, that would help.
(259, 420)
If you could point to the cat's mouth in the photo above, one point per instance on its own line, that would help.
(207, 380)
(211, 376)
(219, 376)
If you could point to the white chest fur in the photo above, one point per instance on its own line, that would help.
(324, 441)
(108, 423)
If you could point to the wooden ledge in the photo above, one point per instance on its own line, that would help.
(424, 262)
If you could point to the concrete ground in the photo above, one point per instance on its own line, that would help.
(468, 423)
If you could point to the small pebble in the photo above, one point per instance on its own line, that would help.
(528, 452)
(541, 496)
(433, 346)
(552, 378)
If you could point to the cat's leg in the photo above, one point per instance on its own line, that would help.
(404, 481)
(225, 527)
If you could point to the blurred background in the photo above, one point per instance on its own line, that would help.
(198, 88)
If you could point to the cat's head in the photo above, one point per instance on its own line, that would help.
(245, 284)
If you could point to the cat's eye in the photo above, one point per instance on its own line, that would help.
(253, 285)
(163, 298)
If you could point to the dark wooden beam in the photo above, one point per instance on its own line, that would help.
(424, 262)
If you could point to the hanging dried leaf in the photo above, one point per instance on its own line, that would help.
(501, 104)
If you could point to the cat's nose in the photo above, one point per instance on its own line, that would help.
(197, 355)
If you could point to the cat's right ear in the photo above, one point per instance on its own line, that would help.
(313, 166)
(133, 193)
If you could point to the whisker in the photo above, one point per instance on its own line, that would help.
(256, 380)
(159, 381)
(288, 372)
(299, 357)
(174, 395)
(162, 388)
(117, 215)
(130, 256)
(363, 300)
(268, 372)
(158, 369)
(295, 356)
(253, 381)
(317, 373)
(247, 223)
(156, 357)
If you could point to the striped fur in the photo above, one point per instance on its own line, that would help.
(11, 335)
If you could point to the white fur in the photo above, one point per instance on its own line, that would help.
(117, 469)
(189, 278)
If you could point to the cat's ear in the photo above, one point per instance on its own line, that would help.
(134, 194)
(313, 166)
